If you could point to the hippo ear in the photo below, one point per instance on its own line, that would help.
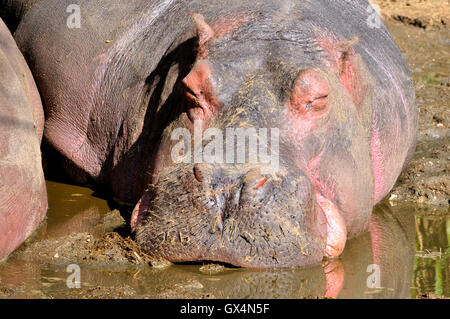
(345, 51)
(204, 32)
(346, 45)
(349, 68)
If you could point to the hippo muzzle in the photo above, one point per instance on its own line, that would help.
(234, 214)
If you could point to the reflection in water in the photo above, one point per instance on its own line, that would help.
(431, 264)
(404, 255)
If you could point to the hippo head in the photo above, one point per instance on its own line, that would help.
(269, 164)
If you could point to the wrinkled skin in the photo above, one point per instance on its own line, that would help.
(23, 197)
(339, 92)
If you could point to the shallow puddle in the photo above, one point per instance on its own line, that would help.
(72, 209)
(405, 255)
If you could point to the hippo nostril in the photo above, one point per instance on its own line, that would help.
(260, 183)
(198, 174)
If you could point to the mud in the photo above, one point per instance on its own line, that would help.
(82, 228)
(424, 14)
(426, 46)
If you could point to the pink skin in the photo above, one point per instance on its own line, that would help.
(28, 86)
(202, 100)
(377, 156)
(307, 105)
(308, 101)
(310, 93)
(23, 196)
(336, 229)
(139, 211)
(385, 174)
(223, 26)
(342, 59)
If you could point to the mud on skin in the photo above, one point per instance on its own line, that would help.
(345, 110)
(307, 209)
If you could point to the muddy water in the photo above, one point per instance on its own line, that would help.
(405, 255)
(74, 206)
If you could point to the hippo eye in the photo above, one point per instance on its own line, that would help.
(309, 94)
(317, 104)
(201, 101)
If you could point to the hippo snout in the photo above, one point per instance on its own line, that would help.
(233, 214)
(227, 192)
(252, 185)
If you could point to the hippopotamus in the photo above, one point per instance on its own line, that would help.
(23, 197)
(155, 101)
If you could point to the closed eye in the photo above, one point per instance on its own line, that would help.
(309, 94)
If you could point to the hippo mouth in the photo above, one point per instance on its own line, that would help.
(336, 229)
(264, 229)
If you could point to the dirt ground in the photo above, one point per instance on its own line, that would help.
(426, 14)
(422, 31)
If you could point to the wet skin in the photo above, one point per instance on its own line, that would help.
(339, 93)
